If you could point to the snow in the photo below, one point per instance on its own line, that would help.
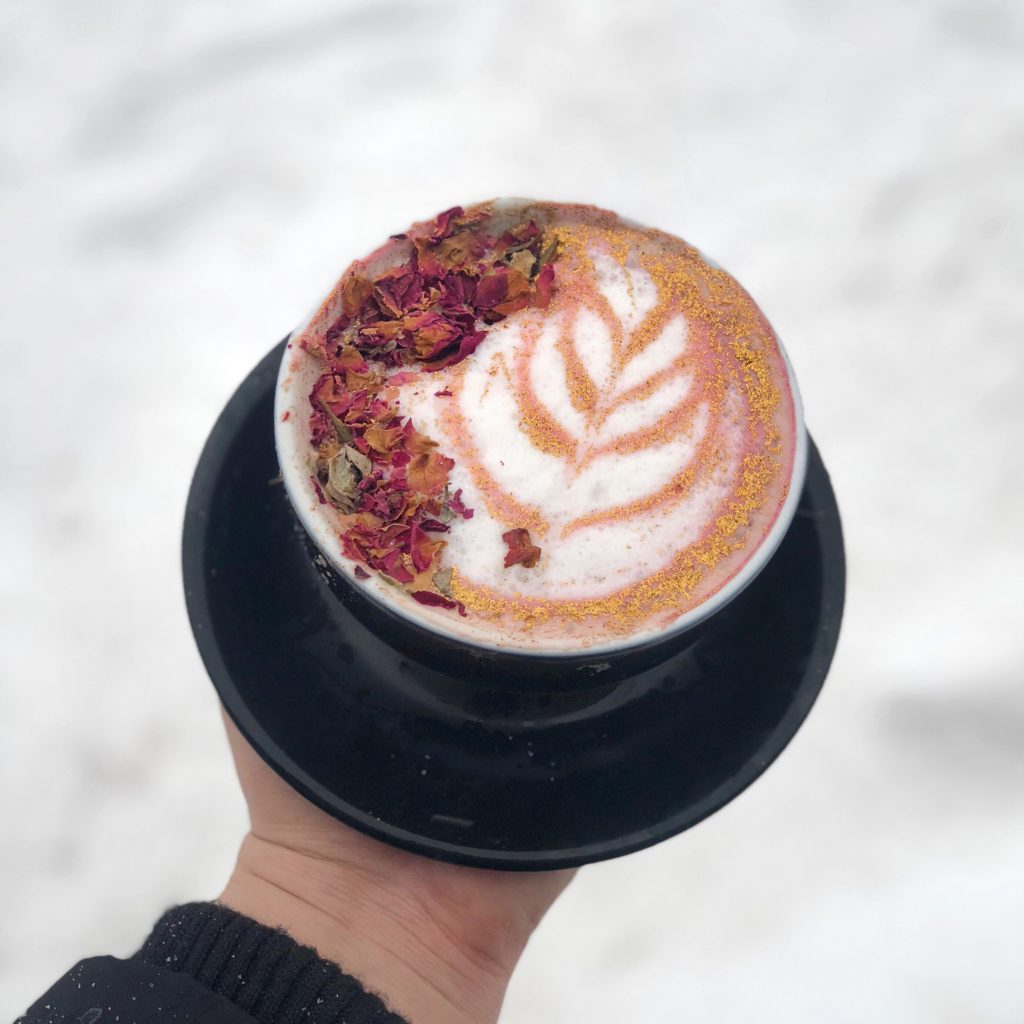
(178, 185)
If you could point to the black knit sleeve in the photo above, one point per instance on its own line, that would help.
(205, 964)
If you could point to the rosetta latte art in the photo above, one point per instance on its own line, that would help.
(598, 444)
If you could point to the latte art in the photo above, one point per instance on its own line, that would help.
(628, 443)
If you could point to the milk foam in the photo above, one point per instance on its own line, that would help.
(603, 557)
(595, 499)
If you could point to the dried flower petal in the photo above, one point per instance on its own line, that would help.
(428, 597)
(520, 237)
(442, 224)
(421, 548)
(432, 333)
(382, 439)
(543, 286)
(414, 442)
(428, 472)
(467, 346)
(393, 565)
(458, 506)
(354, 292)
(521, 549)
(402, 377)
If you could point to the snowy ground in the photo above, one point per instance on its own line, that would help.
(179, 182)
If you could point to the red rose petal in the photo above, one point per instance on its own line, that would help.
(543, 286)
(457, 506)
(428, 597)
(521, 549)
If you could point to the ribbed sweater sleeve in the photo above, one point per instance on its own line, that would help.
(205, 964)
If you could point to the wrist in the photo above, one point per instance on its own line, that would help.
(432, 956)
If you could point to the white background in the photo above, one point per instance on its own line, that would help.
(178, 184)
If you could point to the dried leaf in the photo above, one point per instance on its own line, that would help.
(522, 261)
(345, 469)
(548, 251)
(359, 460)
(443, 581)
(343, 432)
(342, 487)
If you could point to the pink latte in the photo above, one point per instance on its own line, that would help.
(611, 409)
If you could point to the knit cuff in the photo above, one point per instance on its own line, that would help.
(260, 969)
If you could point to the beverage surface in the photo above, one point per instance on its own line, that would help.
(539, 427)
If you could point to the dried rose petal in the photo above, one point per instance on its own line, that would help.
(432, 333)
(414, 442)
(435, 526)
(467, 346)
(442, 224)
(397, 289)
(457, 506)
(421, 548)
(543, 286)
(520, 237)
(382, 439)
(428, 597)
(393, 566)
(492, 289)
(428, 472)
(354, 292)
(402, 377)
(521, 549)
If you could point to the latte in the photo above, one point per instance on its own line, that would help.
(538, 427)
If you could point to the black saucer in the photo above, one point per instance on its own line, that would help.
(388, 741)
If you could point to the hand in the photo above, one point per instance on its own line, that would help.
(436, 941)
